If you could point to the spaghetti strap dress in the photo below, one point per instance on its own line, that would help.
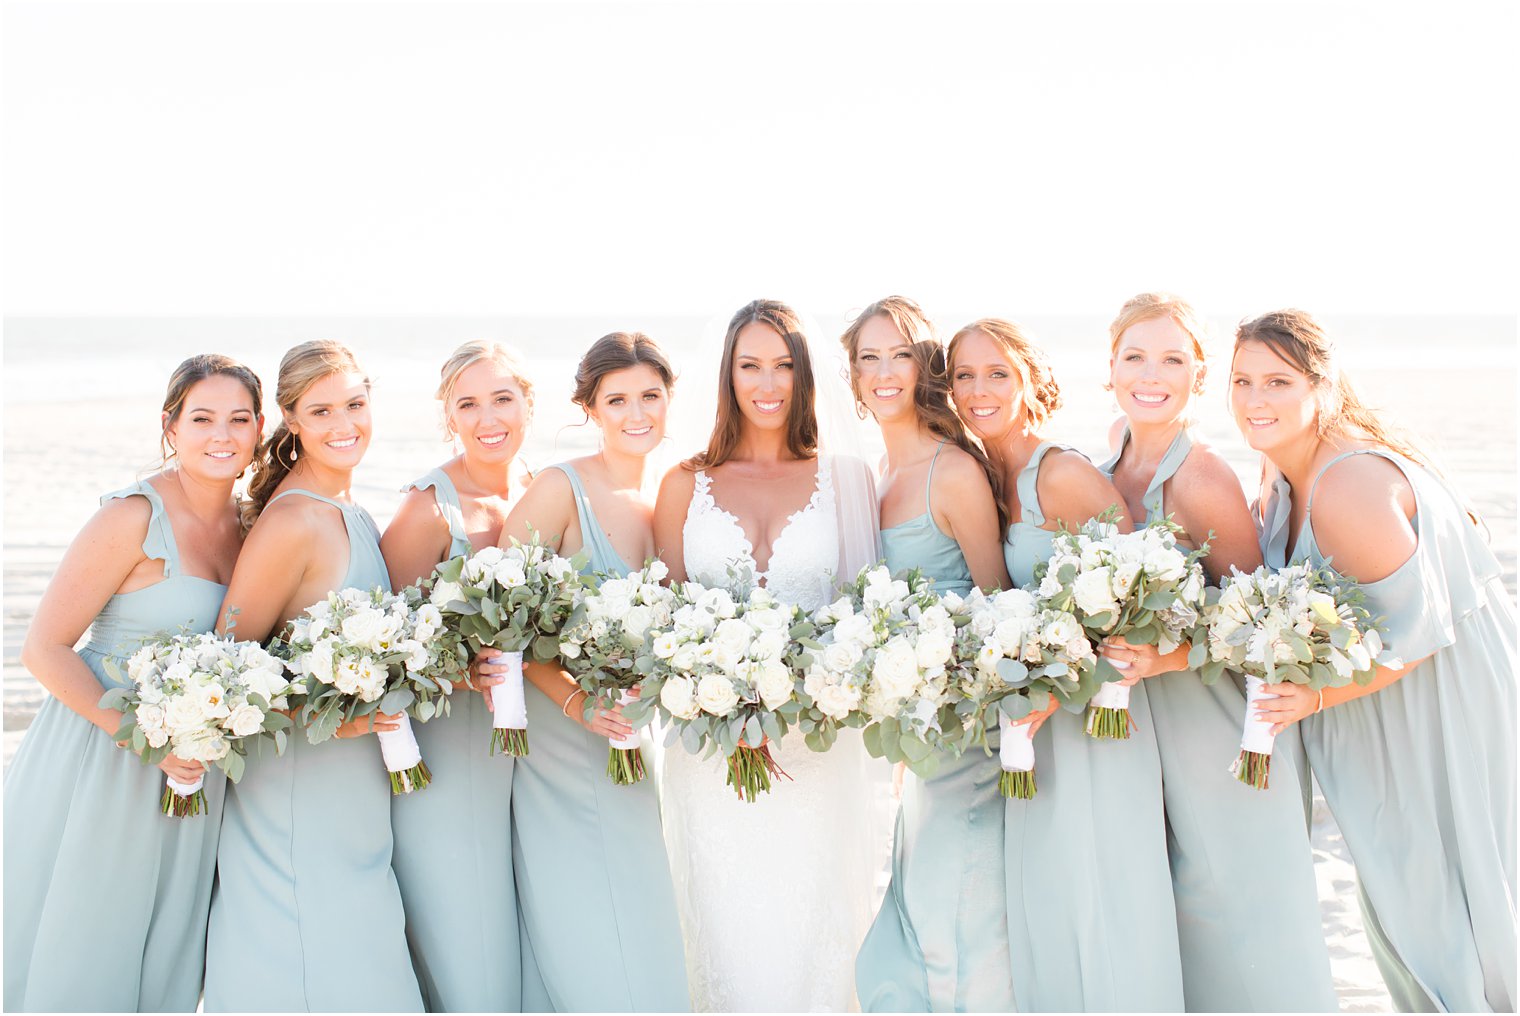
(940, 940)
(306, 916)
(106, 898)
(1420, 775)
(1091, 921)
(1248, 943)
(461, 914)
(593, 882)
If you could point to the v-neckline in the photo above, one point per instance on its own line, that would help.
(761, 574)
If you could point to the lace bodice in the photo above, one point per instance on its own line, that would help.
(803, 557)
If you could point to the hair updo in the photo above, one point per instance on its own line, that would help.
(467, 356)
(1038, 391)
(191, 373)
(614, 352)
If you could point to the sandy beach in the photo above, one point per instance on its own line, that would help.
(81, 418)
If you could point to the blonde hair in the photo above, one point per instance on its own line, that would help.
(467, 356)
(1037, 385)
(301, 367)
(931, 392)
(1300, 340)
(1148, 307)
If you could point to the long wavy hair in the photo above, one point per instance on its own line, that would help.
(301, 367)
(931, 392)
(802, 412)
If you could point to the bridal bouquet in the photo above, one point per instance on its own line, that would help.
(888, 651)
(1140, 585)
(364, 651)
(516, 600)
(723, 673)
(1299, 624)
(607, 650)
(1013, 657)
(203, 698)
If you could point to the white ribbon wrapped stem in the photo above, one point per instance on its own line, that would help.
(399, 747)
(509, 709)
(632, 740)
(1016, 747)
(185, 789)
(1257, 735)
(1111, 695)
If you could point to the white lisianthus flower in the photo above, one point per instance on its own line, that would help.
(509, 573)
(1060, 630)
(684, 658)
(665, 644)
(445, 593)
(1094, 591)
(768, 645)
(1125, 573)
(202, 745)
(371, 678)
(416, 654)
(319, 662)
(716, 694)
(837, 700)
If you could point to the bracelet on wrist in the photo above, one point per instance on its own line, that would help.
(565, 706)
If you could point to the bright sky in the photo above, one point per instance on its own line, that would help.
(1017, 158)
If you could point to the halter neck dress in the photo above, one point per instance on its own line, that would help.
(105, 898)
(306, 914)
(940, 940)
(1421, 774)
(1091, 922)
(1248, 943)
(461, 923)
(599, 919)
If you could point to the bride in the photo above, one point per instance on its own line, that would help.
(774, 896)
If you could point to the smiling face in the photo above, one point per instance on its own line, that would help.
(1154, 372)
(331, 420)
(630, 407)
(488, 413)
(217, 429)
(987, 390)
(762, 375)
(1274, 403)
(885, 370)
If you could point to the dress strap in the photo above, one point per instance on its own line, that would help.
(447, 497)
(1027, 485)
(1172, 461)
(593, 539)
(313, 495)
(158, 542)
(929, 480)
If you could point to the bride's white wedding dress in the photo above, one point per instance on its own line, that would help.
(774, 896)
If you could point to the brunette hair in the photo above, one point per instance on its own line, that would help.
(1038, 390)
(931, 392)
(801, 416)
(1298, 339)
(191, 373)
(618, 351)
(300, 368)
(467, 356)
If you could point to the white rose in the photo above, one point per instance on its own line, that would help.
(733, 636)
(445, 593)
(364, 628)
(1165, 564)
(684, 658)
(1009, 632)
(319, 662)
(895, 669)
(774, 683)
(656, 571)
(853, 629)
(487, 557)
(837, 700)
(933, 649)
(841, 656)
(204, 745)
(151, 718)
(184, 713)
(716, 694)
(716, 602)
(1125, 573)
(637, 621)
(245, 720)
(140, 664)
(768, 645)
(678, 698)
(1094, 592)
(1015, 603)
(1050, 585)
(151, 694)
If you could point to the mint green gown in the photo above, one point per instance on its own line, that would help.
(600, 927)
(1248, 943)
(1091, 921)
(940, 940)
(1420, 775)
(106, 898)
(306, 915)
(453, 855)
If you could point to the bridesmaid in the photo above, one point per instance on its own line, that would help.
(306, 915)
(593, 878)
(1104, 937)
(1419, 765)
(940, 941)
(462, 927)
(1248, 944)
(106, 899)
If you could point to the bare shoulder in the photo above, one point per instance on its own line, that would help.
(418, 509)
(1361, 513)
(1071, 489)
(677, 485)
(121, 518)
(1206, 480)
(291, 520)
(956, 467)
(1116, 432)
(549, 486)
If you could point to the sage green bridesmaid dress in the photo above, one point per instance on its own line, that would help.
(940, 940)
(1091, 922)
(598, 909)
(1420, 775)
(306, 915)
(106, 898)
(453, 855)
(1248, 943)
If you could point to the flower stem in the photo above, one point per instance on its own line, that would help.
(182, 807)
(1017, 783)
(407, 780)
(511, 740)
(750, 771)
(1109, 724)
(1252, 768)
(625, 766)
